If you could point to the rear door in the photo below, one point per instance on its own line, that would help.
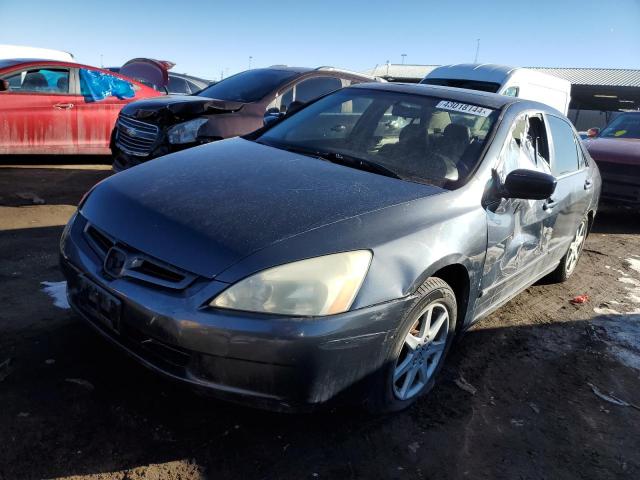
(38, 112)
(102, 97)
(570, 201)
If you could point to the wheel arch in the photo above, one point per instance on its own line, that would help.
(591, 216)
(458, 276)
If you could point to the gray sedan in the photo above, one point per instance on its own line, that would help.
(337, 252)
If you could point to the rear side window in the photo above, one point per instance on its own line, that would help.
(565, 150)
(178, 85)
(40, 80)
(96, 85)
(511, 92)
(313, 88)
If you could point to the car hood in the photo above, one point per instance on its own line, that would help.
(177, 108)
(624, 151)
(206, 208)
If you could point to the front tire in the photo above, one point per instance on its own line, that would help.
(422, 343)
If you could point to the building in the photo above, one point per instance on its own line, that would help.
(596, 93)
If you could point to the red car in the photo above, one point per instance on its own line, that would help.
(616, 150)
(52, 107)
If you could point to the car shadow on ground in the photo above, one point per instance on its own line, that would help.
(617, 219)
(57, 185)
(512, 402)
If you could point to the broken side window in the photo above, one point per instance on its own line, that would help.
(96, 86)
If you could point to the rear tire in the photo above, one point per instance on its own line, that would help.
(568, 264)
(421, 346)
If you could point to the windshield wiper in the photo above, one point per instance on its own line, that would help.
(359, 163)
(339, 158)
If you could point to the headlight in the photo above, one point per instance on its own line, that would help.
(185, 132)
(317, 286)
(66, 230)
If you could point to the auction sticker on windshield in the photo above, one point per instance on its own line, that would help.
(464, 108)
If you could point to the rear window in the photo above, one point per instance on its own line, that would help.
(248, 86)
(457, 83)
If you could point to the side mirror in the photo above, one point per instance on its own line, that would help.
(271, 115)
(593, 132)
(528, 185)
(4, 86)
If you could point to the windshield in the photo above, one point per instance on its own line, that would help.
(459, 83)
(248, 86)
(626, 125)
(414, 137)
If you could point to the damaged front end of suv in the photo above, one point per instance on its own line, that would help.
(147, 130)
(235, 106)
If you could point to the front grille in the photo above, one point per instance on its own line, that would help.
(136, 137)
(137, 264)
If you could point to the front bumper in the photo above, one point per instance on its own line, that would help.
(279, 363)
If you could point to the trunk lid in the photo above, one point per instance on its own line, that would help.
(153, 73)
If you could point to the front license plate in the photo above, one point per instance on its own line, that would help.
(99, 303)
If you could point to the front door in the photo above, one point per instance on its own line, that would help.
(38, 112)
(518, 233)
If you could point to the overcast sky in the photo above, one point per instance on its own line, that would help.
(207, 38)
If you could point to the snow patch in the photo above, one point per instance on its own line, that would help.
(634, 263)
(57, 291)
(634, 290)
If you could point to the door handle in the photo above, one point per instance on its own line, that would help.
(63, 106)
(588, 184)
(549, 204)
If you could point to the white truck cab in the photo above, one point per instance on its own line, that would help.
(506, 80)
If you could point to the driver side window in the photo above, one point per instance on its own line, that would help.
(526, 147)
(40, 80)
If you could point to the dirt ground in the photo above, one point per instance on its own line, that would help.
(542, 389)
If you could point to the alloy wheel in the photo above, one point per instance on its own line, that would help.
(576, 247)
(421, 352)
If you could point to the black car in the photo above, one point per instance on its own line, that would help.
(234, 106)
(337, 252)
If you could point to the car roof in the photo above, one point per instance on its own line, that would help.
(463, 95)
(10, 62)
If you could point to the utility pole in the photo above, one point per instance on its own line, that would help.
(388, 63)
(250, 58)
(477, 50)
(101, 62)
(403, 55)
